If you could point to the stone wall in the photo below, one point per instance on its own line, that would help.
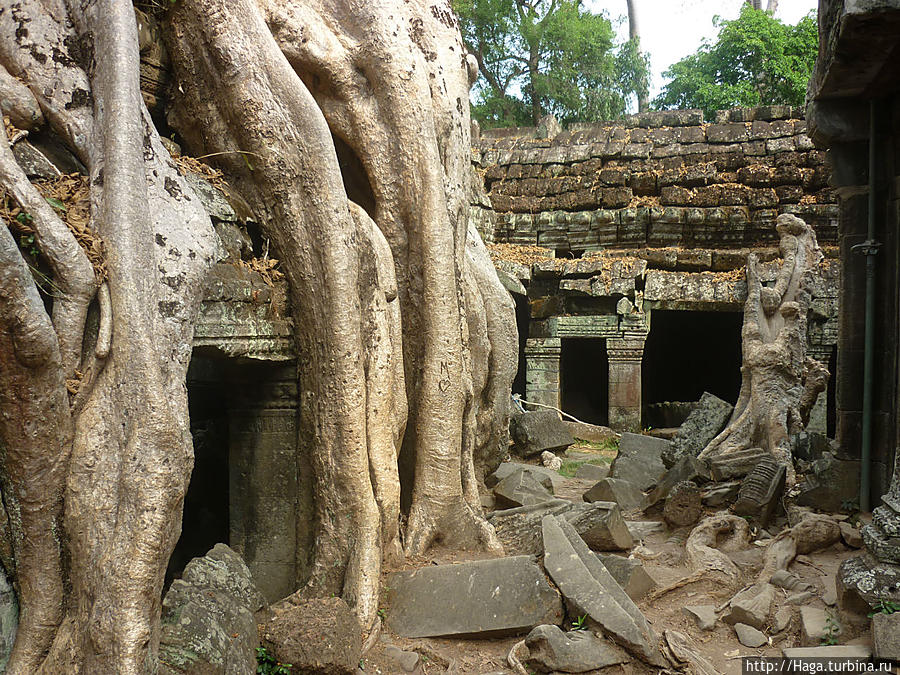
(656, 179)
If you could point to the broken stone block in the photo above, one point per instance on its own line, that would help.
(408, 661)
(850, 535)
(702, 425)
(522, 488)
(551, 461)
(540, 472)
(630, 574)
(886, 635)
(761, 491)
(790, 581)
(833, 485)
(703, 615)
(752, 606)
(799, 598)
(861, 582)
(534, 432)
(589, 471)
(684, 505)
(817, 626)
(721, 494)
(735, 464)
(623, 493)
(750, 636)
(207, 622)
(641, 529)
(577, 651)
(809, 445)
(592, 433)
(783, 616)
(589, 589)
(487, 598)
(600, 524)
(320, 635)
(639, 460)
(687, 468)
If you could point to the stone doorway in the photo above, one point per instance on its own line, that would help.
(584, 379)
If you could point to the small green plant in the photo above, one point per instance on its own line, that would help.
(885, 607)
(266, 664)
(382, 614)
(580, 623)
(832, 630)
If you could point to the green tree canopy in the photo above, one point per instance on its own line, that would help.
(547, 56)
(756, 60)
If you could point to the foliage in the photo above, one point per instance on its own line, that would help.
(547, 56)
(885, 607)
(832, 631)
(266, 664)
(756, 60)
(580, 623)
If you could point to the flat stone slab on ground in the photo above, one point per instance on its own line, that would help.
(488, 598)
(578, 651)
(886, 635)
(630, 574)
(623, 493)
(749, 636)
(590, 589)
(703, 615)
(592, 471)
(639, 460)
(828, 652)
(534, 432)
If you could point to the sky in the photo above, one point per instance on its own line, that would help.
(672, 29)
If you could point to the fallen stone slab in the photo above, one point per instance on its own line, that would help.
(639, 460)
(721, 493)
(578, 651)
(589, 589)
(850, 535)
(751, 606)
(735, 464)
(600, 524)
(318, 635)
(522, 488)
(487, 598)
(860, 652)
(687, 468)
(684, 505)
(534, 432)
(588, 471)
(540, 472)
(702, 425)
(407, 661)
(783, 616)
(641, 529)
(750, 636)
(886, 635)
(816, 625)
(623, 493)
(593, 433)
(761, 491)
(703, 615)
(630, 574)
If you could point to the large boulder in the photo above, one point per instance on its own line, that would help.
(208, 625)
(578, 651)
(483, 598)
(590, 590)
(702, 425)
(639, 460)
(534, 432)
(320, 635)
(623, 493)
(522, 488)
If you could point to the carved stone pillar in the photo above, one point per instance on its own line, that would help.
(542, 370)
(263, 481)
(625, 355)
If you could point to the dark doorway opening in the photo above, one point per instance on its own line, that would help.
(831, 414)
(206, 516)
(689, 352)
(584, 379)
(523, 317)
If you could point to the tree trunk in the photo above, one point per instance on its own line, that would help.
(635, 35)
(406, 338)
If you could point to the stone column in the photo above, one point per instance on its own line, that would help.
(542, 370)
(625, 355)
(263, 481)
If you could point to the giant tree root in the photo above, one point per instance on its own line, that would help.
(722, 531)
